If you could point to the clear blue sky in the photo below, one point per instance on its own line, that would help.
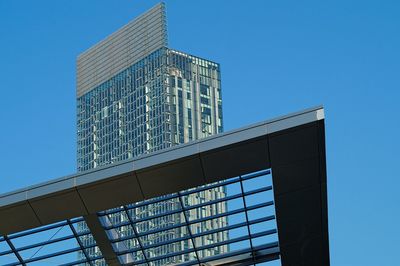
(276, 56)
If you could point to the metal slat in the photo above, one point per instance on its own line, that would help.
(204, 219)
(217, 230)
(136, 235)
(246, 214)
(236, 196)
(210, 246)
(188, 228)
(77, 237)
(12, 247)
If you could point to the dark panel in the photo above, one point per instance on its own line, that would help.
(17, 218)
(53, 208)
(293, 145)
(299, 215)
(115, 192)
(292, 177)
(172, 177)
(235, 160)
(299, 178)
(309, 253)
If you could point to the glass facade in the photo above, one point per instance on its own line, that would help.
(166, 98)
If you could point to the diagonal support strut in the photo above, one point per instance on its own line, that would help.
(102, 240)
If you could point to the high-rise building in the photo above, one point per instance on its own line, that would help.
(136, 96)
